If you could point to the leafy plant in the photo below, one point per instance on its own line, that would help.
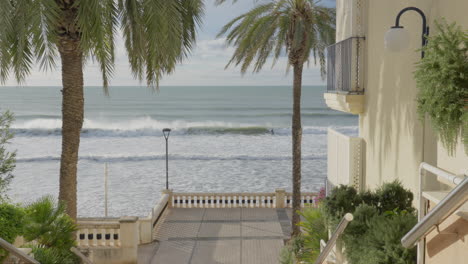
(382, 241)
(342, 199)
(47, 224)
(53, 256)
(392, 196)
(314, 228)
(11, 224)
(305, 248)
(7, 159)
(442, 80)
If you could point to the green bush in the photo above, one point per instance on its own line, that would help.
(306, 247)
(381, 218)
(382, 242)
(354, 233)
(342, 199)
(47, 224)
(53, 256)
(392, 196)
(11, 224)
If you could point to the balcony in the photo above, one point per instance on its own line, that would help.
(345, 75)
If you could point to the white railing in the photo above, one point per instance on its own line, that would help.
(277, 199)
(98, 232)
(428, 221)
(345, 160)
(18, 253)
(331, 243)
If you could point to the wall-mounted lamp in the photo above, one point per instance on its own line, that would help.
(397, 37)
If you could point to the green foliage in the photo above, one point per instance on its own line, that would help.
(314, 228)
(48, 224)
(298, 28)
(290, 252)
(392, 196)
(354, 232)
(7, 159)
(342, 199)
(53, 256)
(306, 247)
(382, 241)
(157, 34)
(442, 80)
(381, 218)
(11, 224)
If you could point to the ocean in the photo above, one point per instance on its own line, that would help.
(223, 139)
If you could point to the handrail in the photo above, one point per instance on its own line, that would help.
(456, 198)
(78, 253)
(339, 230)
(439, 172)
(13, 250)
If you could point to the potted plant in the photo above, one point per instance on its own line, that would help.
(442, 80)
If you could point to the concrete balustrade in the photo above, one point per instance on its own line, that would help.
(116, 240)
(277, 199)
(98, 232)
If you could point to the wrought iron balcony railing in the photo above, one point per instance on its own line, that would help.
(345, 66)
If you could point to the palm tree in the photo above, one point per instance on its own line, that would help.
(297, 28)
(157, 34)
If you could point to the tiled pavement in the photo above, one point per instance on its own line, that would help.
(209, 236)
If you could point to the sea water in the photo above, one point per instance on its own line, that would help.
(223, 139)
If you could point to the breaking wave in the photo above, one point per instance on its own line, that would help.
(142, 127)
(149, 157)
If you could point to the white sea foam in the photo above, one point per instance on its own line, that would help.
(150, 127)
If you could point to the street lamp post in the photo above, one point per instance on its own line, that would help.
(397, 38)
(166, 132)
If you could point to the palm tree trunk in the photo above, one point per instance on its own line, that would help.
(72, 121)
(296, 147)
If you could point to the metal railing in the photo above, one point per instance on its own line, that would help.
(331, 243)
(454, 200)
(345, 66)
(16, 252)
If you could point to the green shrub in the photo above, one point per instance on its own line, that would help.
(355, 232)
(53, 256)
(342, 199)
(382, 242)
(11, 224)
(314, 229)
(290, 253)
(306, 247)
(381, 219)
(392, 196)
(51, 228)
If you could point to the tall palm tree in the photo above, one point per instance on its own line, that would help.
(298, 28)
(157, 34)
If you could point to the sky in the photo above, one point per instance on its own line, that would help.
(205, 66)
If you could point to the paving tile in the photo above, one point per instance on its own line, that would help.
(264, 214)
(233, 214)
(219, 230)
(261, 251)
(214, 252)
(185, 214)
(177, 230)
(261, 229)
(173, 252)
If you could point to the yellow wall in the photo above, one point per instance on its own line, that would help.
(390, 125)
(395, 140)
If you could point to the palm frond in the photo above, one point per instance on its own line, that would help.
(298, 28)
